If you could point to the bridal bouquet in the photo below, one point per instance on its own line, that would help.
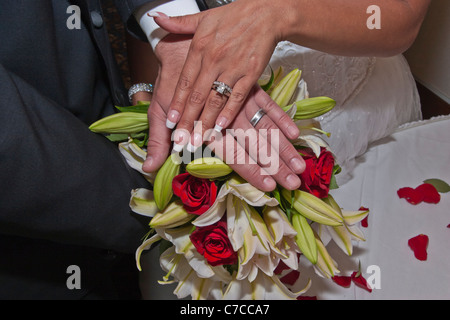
(220, 237)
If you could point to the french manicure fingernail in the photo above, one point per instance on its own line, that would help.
(218, 128)
(221, 123)
(197, 140)
(155, 14)
(191, 148)
(172, 119)
(177, 148)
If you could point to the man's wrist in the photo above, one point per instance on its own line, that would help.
(151, 29)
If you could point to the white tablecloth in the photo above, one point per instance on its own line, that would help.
(405, 159)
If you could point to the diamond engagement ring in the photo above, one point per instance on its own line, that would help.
(257, 117)
(139, 87)
(222, 88)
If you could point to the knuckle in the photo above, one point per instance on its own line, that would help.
(184, 83)
(253, 172)
(197, 98)
(238, 97)
(264, 124)
(216, 102)
(285, 150)
(199, 44)
(271, 106)
(178, 103)
(285, 119)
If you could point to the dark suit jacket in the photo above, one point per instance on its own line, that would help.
(64, 191)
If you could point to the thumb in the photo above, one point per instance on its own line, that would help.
(179, 25)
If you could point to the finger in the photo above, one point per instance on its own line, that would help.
(288, 153)
(186, 92)
(283, 147)
(234, 104)
(186, 24)
(195, 106)
(159, 139)
(272, 151)
(231, 152)
(179, 99)
(204, 127)
(278, 115)
(141, 96)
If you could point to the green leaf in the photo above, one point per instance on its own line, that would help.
(141, 107)
(117, 137)
(441, 186)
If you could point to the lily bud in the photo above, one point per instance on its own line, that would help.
(123, 122)
(174, 216)
(208, 168)
(283, 91)
(313, 208)
(163, 182)
(313, 107)
(305, 238)
(325, 263)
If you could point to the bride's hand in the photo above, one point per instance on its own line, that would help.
(231, 44)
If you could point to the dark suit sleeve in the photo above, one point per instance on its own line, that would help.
(58, 180)
(126, 8)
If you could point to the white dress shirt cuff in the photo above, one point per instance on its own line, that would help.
(173, 8)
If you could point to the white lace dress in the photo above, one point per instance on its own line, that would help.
(374, 96)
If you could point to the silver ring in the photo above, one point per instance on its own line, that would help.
(257, 117)
(222, 88)
(139, 87)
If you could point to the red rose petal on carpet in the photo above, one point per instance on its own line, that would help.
(410, 195)
(429, 192)
(290, 278)
(360, 281)
(343, 281)
(419, 245)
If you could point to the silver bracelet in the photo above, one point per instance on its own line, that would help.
(139, 87)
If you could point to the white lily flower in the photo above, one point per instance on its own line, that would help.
(258, 250)
(142, 202)
(135, 157)
(179, 237)
(235, 187)
(186, 266)
(344, 235)
(189, 282)
(283, 234)
(248, 232)
(312, 141)
(263, 287)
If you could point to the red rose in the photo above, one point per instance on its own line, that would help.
(197, 195)
(317, 176)
(212, 242)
